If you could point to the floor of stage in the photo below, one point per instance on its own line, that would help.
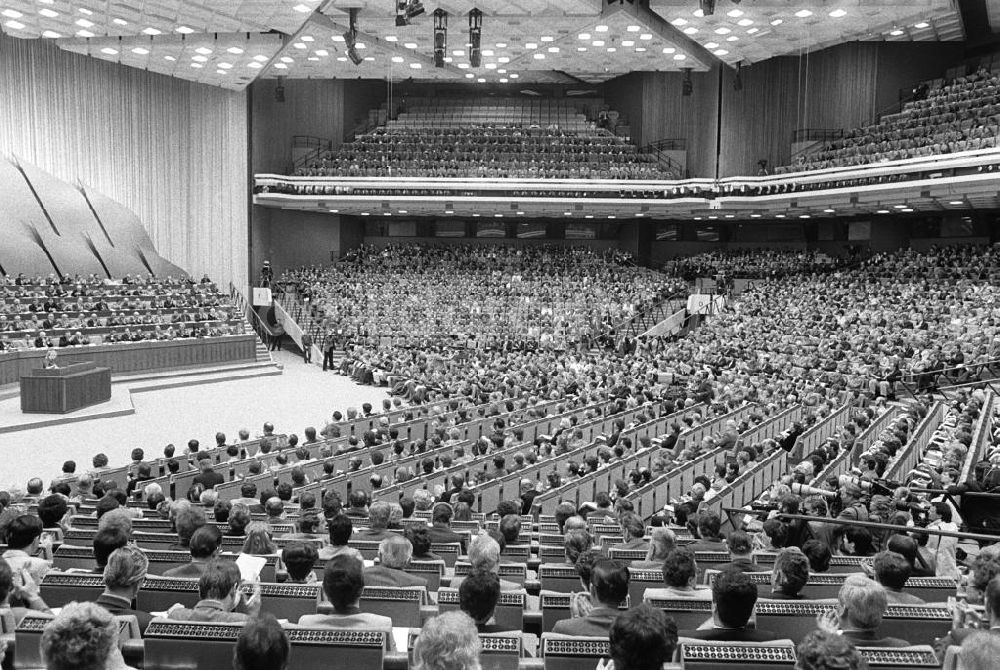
(302, 396)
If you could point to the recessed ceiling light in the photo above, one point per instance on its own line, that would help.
(491, 66)
(539, 56)
(581, 48)
(463, 66)
(410, 45)
(302, 8)
(141, 51)
(286, 59)
(745, 22)
(777, 22)
(281, 66)
(51, 34)
(753, 30)
(300, 45)
(337, 38)
(779, 216)
(583, 36)
(548, 38)
(204, 51)
(199, 59)
(151, 31)
(225, 66)
(369, 58)
(469, 75)
(553, 50)
(611, 216)
(503, 80)
(365, 213)
(803, 13)
(458, 52)
(197, 65)
(921, 25)
(711, 45)
(882, 211)
(668, 50)
(598, 43)
(896, 33)
(398, 59)
(12, 13)
(120, 22)
(646, 36)
(84, 33)
(679, 21)
(488, 53)
(632, 28)
(720, 52)
(170, 58)
(899, 206)
(956, 202)
(308, 38)
(908, 210)
(360, 45)
(255, 65)
(236, 51)
(50, 13)
(732, 38)
(804, 216)
(84, 10)
(342, 59)
(260, 58)
(601, 28)
(391, 38)
(220, 72)
(735, 13)
(829, 211)
(84, 23)
(514, 75)
(690, 30)
(184, 30)
(628, 43)
(755, 216)
(698, 13)
(723, 30)
(640, 49)
(503, 59)
(680, 57)
(611, 50)
(838, 13)
(109, 51)
(531, 45)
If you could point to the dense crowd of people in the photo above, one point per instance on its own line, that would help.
(45, 312)
(809, 340)
(963, 115)
(755, 263)
(491, 150)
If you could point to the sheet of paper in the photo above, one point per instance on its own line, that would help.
(250, 566)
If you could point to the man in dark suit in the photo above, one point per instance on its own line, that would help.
(608, 589)
(733, 600)
(123, 576)
(205, 546)
(208, 478)
(394, 555)
(478, 596)
(790, 574)
(862, 604)
(741, 552)
(440, 529)
(709, 527)
(378, 522)
(634, 531)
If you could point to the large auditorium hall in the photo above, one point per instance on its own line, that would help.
(500, 334)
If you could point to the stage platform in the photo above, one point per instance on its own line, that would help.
(12, 419)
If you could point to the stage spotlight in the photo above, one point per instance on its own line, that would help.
(687, 87)
(407, 10)
(350, 39)
(475, 37)
(440, 36)
(707, 7)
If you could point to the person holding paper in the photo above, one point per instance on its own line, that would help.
(219, 590)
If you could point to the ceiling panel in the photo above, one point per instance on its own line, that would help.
(753, 32)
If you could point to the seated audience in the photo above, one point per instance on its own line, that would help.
(262, 645)
(220, 597)
(123, 576)
(733, 599)
(205, 546)
(822, 650)
(478, 596)
(789, 575)
(608, 590)
(448, 641)
(891, 572)
(82, 635)
(642, 638)
(394, 553)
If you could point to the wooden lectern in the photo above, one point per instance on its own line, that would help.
(65, 389)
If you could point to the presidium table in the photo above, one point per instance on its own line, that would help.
(65, 389)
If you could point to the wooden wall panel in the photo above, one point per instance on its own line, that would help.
(174, 152)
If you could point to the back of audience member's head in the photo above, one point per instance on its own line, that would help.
(126, 567)
(239, 519)
(739, 543)
(575, 543)
(51, 510)
(818, 553)
(261, 645)
(585, 565)
(609, 582)
(891, 570)
(679, 568)
(734, 596)
(822, 650)
(22, 531)
(395, 552)
(343, 581)
(709, 525)
(82, 636)
(991, 598)
(299, 559)
(791, 571)
(187, 520)
(862, 602)
(420, 539)
(340, 528)
(979, 651)
(218, 580)
(484, 554)
(106, 541)
(642, 638)
(258, 540)
(205, 542)
(378, 515)
(478, 595)
(448, 641)
(510, 528)
(632, 526)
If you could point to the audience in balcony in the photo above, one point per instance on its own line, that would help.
(963, 115)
